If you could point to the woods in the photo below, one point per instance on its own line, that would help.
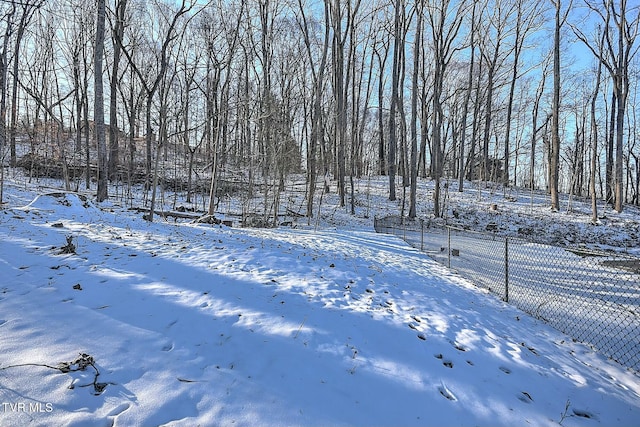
(241, 95)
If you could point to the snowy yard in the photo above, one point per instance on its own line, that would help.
(592, 296)
(182, 324)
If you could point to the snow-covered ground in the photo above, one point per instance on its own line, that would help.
(181, 324)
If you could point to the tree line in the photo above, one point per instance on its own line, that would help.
(529, 93)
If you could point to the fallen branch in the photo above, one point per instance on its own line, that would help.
(300, 328)
(79, 364)
(69, 248)
(295, 214)
(169, 214)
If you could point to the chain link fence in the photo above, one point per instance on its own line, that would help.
(594, 297)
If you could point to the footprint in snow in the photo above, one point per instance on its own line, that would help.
(446, 392)
(505, 370)
(118, 410)
(459, 347)
(446, 362)
(525, 397)
(583, 414)
(167, 347)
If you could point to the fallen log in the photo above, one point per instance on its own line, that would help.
(169, 214)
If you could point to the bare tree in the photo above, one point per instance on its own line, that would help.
(316, 112)
(361, 88)
(339, 90)
(190, 62)
(4, 65)
(77, 44)
(398, 45)
(152, 86)
(41, 81)
(381, 51)
(219, 45)
(28, 10)
(467, 97)
(594, 145)
(535, 128)
(445, 18)
(554, 152)
(414, 109)
(171, 35)
(527, 21)
(615, 57)
(98, 116)
(493, 54)
(117, 29)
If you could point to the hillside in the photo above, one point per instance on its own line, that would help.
(176, 323)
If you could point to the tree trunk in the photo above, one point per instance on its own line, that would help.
(87, 132)
(27, 13)
(609, 184)
(443, 35)
(514, 76)
(381, 146)
(467, 98)
(489, 112)
(114, 146)
(621, 85)
(414, 112)
(554, 158)
(395, 78)
(4, 58)
(316, 111)
(341, 122)
(102, 193)
(594, 147)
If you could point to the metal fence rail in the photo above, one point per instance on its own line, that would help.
(592, 296)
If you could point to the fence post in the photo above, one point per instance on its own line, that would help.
(449, 246)
(421, 235)
(506, 269)
(404, 229)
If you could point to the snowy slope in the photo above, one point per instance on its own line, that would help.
(182, 324)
